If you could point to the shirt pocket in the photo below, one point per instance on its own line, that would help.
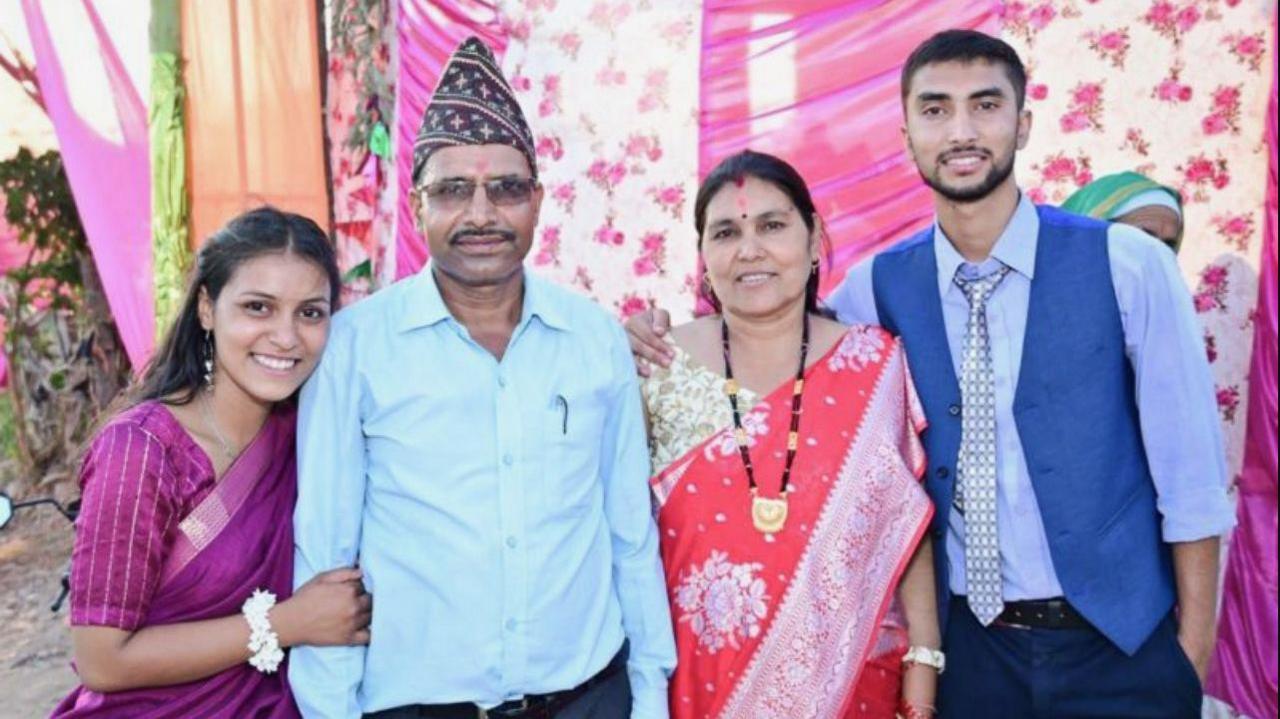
(573, 427)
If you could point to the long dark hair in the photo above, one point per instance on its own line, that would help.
(780, 174)
(176, 371)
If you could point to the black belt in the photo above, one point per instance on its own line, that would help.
(532, 706)
(1054, 613)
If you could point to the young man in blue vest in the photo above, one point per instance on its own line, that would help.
(1074, 451)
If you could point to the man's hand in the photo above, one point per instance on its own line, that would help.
(647, 331)
(1198, 649)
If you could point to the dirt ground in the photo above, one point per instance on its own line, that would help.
(35, 650)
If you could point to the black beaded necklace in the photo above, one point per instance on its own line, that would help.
(767, 514)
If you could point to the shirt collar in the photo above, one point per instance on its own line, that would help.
(1016, 246)
(425, 307)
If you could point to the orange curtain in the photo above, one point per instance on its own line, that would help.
(254, 113)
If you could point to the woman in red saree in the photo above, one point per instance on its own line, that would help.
(789, 505)
(188, 496)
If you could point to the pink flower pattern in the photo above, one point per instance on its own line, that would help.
(616, 143)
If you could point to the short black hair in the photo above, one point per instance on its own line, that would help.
(966, 46)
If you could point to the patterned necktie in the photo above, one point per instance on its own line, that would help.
(976, 491)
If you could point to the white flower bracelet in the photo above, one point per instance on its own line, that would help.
(263, 641)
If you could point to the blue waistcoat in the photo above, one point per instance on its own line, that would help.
(1076, 415)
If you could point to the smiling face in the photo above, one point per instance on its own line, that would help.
(269, 325)
(757, 249)
(964, 128)
(474, 241)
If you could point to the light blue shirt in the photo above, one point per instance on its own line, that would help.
(1175, 394)
(500, 510)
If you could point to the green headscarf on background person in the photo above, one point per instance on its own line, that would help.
(1103, 197)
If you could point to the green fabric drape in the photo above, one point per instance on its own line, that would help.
(170, 208)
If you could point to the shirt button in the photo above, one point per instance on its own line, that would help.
(507, 459)
(511, 542)
(511, 625)
(502, 381)
(943, 472)
(954, 410)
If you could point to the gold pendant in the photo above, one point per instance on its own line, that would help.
(768, 515)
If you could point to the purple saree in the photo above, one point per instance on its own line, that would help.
(158, 541)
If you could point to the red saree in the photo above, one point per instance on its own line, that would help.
(800, 623)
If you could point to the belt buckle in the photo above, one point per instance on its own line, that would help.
(482, 713)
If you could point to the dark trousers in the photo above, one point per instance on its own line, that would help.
(610, 699)
(1004, 671)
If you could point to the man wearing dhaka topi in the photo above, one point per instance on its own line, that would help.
(473, 438)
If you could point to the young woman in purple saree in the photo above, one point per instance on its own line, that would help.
(188, 498)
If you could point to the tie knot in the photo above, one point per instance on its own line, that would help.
(978, 289)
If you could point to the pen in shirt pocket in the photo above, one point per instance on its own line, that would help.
(563, 405)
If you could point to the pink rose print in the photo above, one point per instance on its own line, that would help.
(1036, 195)
(631, 304)
(1228, 402)
(1199, 174)
(610, 75)
(653, 253)
(1171, 89)
(1061, 175)
(1025, 20)
(643, 146)
(1135, 140)
(1110, 45)
(607, 175)
(519, 30)
(608, 16)
(550, 146)
(1211, 292)
(1171, 21)
(607, 234)
(1084, 112)
(1210, 347)
(1237, 229)
(569, 43)
(1248, 49)
(563, 195)
(669, 198)
(1225, 114)
(549, 249)
(677, 33)
(521, 83)
(655, 91)
(1037, 91)
(550, 103)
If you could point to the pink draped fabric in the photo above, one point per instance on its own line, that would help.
(111, 180)
(1244, 671)
(427, 33)
(837, 116)
(11, 255)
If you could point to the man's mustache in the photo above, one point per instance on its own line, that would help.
(962, 151)
(460, 235)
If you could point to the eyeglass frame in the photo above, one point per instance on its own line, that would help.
(430, 192)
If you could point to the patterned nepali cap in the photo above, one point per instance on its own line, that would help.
(472, 105)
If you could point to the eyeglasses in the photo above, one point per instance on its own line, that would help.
(503, 192)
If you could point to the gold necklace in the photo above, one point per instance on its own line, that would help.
(768, 514)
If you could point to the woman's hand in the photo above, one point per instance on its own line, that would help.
(919, 688)
(330, 610)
